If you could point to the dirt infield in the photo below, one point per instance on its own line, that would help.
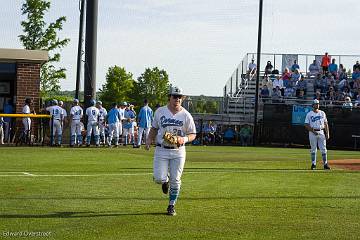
(348, 164)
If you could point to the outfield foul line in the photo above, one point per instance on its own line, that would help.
(27, 174)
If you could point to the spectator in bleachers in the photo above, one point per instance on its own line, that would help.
(356, 88)
(295, 76)
(355, 75)
(301, 85)
(252, 67)
(343, 83)
(289, 92)
(347, 92)
(276, 95)
(278, 82)
(314, 69)
(324, 84)
(347, 104)
(295, 66)
(342, 73)
(266, 81)
(325, 62)
(317, 82)
(331, 95)
(333, 68)
(318, 96)
(357, 101)
(286, 74)
(357, 65)
(264, 93)
(268, 68)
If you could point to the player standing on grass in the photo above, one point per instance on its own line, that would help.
(145, 118)
(102, 124)
(169, 158)
(317, 125)
(56, 123)
(76, 114)
(93, 114)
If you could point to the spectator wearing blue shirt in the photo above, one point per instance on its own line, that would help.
(113, 118)
(145, 119)
(8, 109)
(295, 66)
(333, 68)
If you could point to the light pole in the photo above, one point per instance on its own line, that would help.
(257, 74)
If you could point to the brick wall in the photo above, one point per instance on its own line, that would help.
(28, 85)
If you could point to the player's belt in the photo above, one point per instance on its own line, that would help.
(318, 130)
(167, 147)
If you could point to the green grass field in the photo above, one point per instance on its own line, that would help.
(227, 193)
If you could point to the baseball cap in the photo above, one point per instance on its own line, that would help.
(175, 91)
(316, 101)
(123, 104)
(92, 102)
(76, 100)
(61, 102)
(55, 102)
(99, 102)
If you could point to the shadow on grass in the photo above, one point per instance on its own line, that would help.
(77, 215)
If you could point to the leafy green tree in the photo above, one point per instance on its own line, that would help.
(153, 85)
(118, 87)
(40, 36)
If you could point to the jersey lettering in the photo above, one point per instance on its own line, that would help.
(165, 122)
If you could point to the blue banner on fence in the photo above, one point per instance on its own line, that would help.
(299, 114)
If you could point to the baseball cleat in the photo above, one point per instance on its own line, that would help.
(313, 167)
(165, 187)
(326, 167)
(171, 210)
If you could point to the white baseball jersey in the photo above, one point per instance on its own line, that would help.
(102, 113)
(56, 112)
(316, 120)
(76, 112)
(63, 111)
(93, 114)
(26, 109)
(180, 124)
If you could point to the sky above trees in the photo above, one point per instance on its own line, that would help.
(199, 43)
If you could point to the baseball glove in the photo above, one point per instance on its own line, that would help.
(170, 138)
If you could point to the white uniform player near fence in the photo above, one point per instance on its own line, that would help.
(317, 125)
(102, 122)
(26, 121)
(56, 121)
(76, 114)
(121, 110)
(92, 114)
(169, 160)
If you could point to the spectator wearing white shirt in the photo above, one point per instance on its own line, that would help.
(278, 82)
(314, 69)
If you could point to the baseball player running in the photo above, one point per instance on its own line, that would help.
(57, 118)
(317, 125)
(145, 118)
(102, 123)
(93, 115)
(169, 159)
(76, 114)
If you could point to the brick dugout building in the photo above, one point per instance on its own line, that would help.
(20, 77)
